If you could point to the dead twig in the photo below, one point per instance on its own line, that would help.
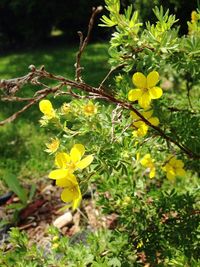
(84, 42)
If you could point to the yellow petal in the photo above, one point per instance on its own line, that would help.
(155, 92)
(142, 131)
(45, 107)
(68, 181)
(134, 94)
(154, 121)
(147, 114)
(180, 172)
(62, 159)
(172, 161)
(134, 115)
(58, 174)
(145, 160)
(85, 162)
(70, 194)
(139, 80)
(77, 152)
(77, 201)
(170, 175)
(145, 100)
(179, 163)
(138, 124)
(152, 79)
(63, 182)
(152, 173)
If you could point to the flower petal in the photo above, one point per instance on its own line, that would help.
(142, 131)
(68, 181)
(145, 160)
(152, 173)
(77, 201)
(58, 174)
(152, 79)
(134, 94)
(63, 182)
(85, 162)
(77, 152)
(145, 100)
(45, 107)
(170, 175)
(155, 92)
(147, 114)
(180, 172)
(70, 193)
(139, 80)
(179, 163)
(154, 121)
(62, 159)
(134, 115)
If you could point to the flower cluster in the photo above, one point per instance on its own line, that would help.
(173, 167)
(64, 176)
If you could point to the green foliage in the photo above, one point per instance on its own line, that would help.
(14, 185)
(103, 248)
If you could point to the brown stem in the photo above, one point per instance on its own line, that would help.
(84, 42)
(42, 73)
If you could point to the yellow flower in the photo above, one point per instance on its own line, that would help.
(148, 162)
(68, 163)
(194, 16)
(174, 167)
(71, 193)
(55, 246)
(140, 244)
(53, 146)
(46, 108)
(146, 88)
(140, 126)
(126, 201)
(141, 129)
(89, 109)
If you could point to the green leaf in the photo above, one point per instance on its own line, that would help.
(114, 262)
(13, 183)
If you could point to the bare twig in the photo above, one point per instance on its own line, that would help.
(42, 73)
(16, 99)
(31, 103)
(84, 42)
